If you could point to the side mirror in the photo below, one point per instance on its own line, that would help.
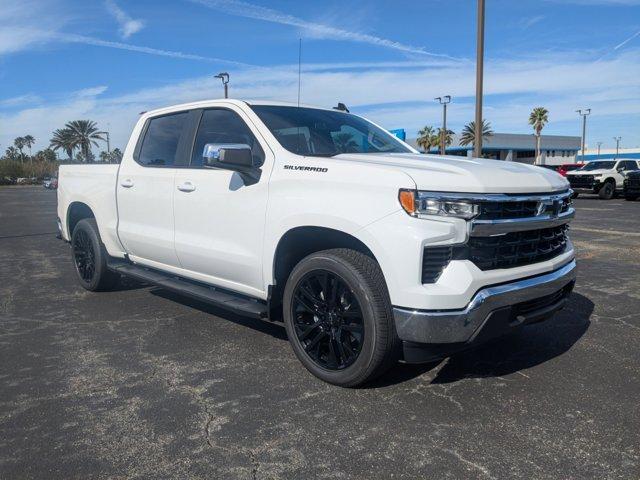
(233, 156)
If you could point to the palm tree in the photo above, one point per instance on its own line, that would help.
(85, 133)
(63, 138)
(28, 142)
(19, 144)
(468, 136)
(11, 153)
(448, 136)
(345, 142)
(538, 119)
(426, 137)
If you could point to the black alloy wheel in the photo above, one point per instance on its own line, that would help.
(328, 320)
(84, 256)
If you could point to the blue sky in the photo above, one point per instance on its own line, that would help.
(109, 60)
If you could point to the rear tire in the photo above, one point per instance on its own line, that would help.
(607, 191)
(90, 257)
(339, 317)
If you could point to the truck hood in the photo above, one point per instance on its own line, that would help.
(600, 171)
(468, 175)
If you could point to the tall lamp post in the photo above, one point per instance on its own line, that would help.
(617, 139)
(224, 76)
(443, 134)
(584, 114)
(479, 75)
(599, 145)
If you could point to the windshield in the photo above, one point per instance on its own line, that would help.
(608, 165)
(316, 132)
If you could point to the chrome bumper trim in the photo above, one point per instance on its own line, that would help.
(488, 228)
(432, 326)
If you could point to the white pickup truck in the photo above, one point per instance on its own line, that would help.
(368, 251)
(604, 177)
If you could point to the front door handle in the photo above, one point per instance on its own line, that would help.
(187, 187)
(127, 183)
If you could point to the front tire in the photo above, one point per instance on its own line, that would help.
(90, 257)
(339, 318)
(607, 191)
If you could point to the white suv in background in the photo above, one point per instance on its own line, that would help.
(604, 177)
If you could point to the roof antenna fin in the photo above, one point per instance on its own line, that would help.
(342, 107)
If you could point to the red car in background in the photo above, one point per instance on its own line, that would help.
(567, 167)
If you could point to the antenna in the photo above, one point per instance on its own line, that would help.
(299, 68)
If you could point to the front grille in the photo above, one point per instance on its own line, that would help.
(434, 260)
(581, 181)
(503, 210)
(516, 248)
(633, 181)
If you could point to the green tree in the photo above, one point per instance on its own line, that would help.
(12, 154)
(116, 155)
(426, 137)
(468, 136)
(19, 143)
(63, 139)
(448, 137)
(538, 118)
(85, 133)
(47, 156)
(28, 142)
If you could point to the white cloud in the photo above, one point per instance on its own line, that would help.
(20, 101)
(395, 97)
(128, 25)
(622, 44)
(318, 30)
(531, 21)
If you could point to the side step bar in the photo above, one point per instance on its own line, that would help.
(224, 299)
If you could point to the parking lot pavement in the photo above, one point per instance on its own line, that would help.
(140, 383)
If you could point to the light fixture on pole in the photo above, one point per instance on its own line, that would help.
(443, 133)
(479, 77)
(617, 139)
(584, 113)
(224, 76)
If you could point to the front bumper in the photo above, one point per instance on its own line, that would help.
(493, 311)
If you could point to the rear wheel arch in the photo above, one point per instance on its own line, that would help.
(75, 212)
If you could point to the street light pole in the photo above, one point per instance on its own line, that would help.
(584, 114)
(443, 134)
(479, 77)
(599, 144)
(617, 139)
(224, 76)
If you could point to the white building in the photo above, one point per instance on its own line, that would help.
(516, 147)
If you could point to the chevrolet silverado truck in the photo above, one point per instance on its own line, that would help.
(632, 186)
(603, 177)
(369, 252)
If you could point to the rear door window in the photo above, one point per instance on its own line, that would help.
(161, 140)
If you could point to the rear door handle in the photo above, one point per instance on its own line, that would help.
(187, 187)
(127, 183)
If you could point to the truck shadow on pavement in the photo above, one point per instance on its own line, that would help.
(530, 346)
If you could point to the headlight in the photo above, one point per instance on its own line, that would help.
(417, 204)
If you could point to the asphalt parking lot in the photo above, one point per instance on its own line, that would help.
(140, 383)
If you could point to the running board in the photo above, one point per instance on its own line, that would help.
(224, 299)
